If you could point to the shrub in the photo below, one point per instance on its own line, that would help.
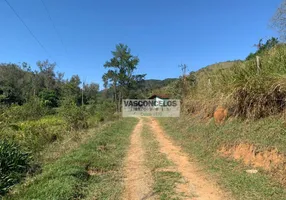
(14, 163)
(49, 98)
(29, 111)
(34, 135)
(105, 111)
(75, 117)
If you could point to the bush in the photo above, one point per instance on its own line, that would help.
(32, 110)
(13, 165)
(49, 98)
(34, 135)
(75, 117)
(105, 111)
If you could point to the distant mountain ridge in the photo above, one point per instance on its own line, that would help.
(145, 88)
(155, 83)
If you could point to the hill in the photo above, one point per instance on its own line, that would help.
(220, 65)
(143, 89)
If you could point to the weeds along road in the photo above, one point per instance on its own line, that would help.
(128, 159)
(151, 181)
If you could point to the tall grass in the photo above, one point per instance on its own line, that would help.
(14, 163)
(34, 127)
(247, 91)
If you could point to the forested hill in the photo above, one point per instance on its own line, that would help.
(155, 84)
(145, 88)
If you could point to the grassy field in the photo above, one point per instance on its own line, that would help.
(164, 180)
(201, 140)
(92, 171)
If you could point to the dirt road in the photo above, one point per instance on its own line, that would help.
(138, 184)
(138, 181)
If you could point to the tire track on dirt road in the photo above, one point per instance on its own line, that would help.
(138, 178)
(196, 185)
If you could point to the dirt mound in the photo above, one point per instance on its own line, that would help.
(220, 115)
(269, 160)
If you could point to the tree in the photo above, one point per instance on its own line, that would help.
(15, 83)
(278, 21)
(120, 74)
(47, 84)
(90, 92)
(20, 85)
(110, 79)
(47, 74)
(261, 47)
(49, 98)
(71, 90)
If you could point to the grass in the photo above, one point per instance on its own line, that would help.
(247, 92)
(92, 171)
(202, 140)
(164, 180)
(68, 143)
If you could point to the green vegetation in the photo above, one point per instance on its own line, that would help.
(39, 108)
(247, 89)
(92, 171)
(74, 116)
(13, 165)
(261, 48)
(164, 178)
(254, 94)
(56, 141)
(202, 141)
(19, 84)
(145, 88)
(120, 76)
(255, 98)
(278, 20)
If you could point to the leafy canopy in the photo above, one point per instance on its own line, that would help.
(120, 75)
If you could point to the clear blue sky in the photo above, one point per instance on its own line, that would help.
(163, 33)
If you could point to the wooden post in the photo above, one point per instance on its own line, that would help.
(82, 94)
(258, 64)
(209, 83)
(119, 102)
(184, 85)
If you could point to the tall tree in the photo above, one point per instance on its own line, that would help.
(47, 74)
(71, 89)
(15, 83)
(120, 75)
(278, 21)
(90, 92)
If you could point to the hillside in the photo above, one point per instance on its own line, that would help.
(154, 84)
(250, 138)
(220, 65)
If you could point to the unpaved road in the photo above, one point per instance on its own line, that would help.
(138, 182)
(196, 183)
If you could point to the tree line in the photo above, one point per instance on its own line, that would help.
(19, 84)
